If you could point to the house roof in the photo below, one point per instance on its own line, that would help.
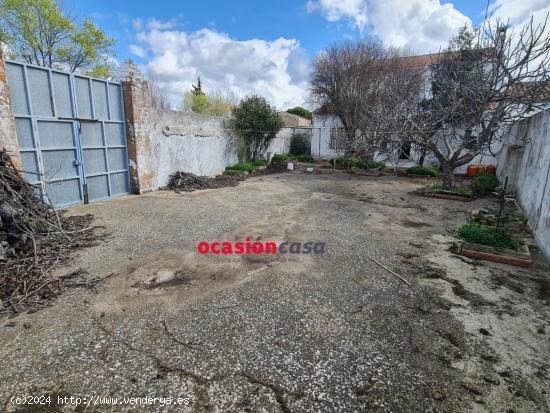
(419, 61)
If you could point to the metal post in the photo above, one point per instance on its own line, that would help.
(502, 200)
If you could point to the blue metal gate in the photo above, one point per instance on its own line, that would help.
(71, 134)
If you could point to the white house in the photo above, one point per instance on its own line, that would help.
(326, 129)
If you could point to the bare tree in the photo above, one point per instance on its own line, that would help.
(159, 98)
(371, 89)
(388, 108)
(341, 84)
(481, 85)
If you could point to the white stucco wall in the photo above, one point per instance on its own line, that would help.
(525, 159)
(200, 144)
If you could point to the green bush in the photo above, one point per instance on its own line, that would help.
(279, 157)
(370, 164)
(305, 158)
(344, 161)
(423, 170)
(478, 234)
(299, 145)
(463, 190)
(242, 166)
(486, 182)
(304, 113)
(260, 162)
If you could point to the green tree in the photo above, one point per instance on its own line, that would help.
(215, 104)
(37, 32)
(257, 123)
(303, 112)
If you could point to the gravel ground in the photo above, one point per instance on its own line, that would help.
(304, 333)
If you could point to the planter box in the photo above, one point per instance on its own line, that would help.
(366, 172)
(260, 167)
(449, 195)
(421, 176)
(521, 257)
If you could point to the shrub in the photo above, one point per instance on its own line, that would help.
(423, 170)
(305, 158)
(242, 166)
(370, 164)
(299, 145)
(260, 162)
(304, 113)
(486, 182)
(256, 123)
(437, 186)
(463, 190)
(344, 161)
(279, 157)
(478, 234)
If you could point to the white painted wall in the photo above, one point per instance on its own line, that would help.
(321, 140)
(200, 144)
(525, 159)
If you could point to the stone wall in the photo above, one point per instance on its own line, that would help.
(161, 142)
(8, 137)
(525, 160)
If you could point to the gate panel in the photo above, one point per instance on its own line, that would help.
(61, 175)
(71, 134)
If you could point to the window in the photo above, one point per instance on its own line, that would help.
(337, 138)
(405, 151)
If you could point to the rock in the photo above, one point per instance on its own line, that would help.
(491, 378)
(485, 332)
(10, 324)
(440, 394)
(102, 314)
(472, 388)
(27, 325)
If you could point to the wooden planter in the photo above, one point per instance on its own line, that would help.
(420, 176)
(521, 258)
(367, 172)
(449, 195)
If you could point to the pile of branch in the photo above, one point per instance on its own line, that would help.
(188, 182)
(34, 238)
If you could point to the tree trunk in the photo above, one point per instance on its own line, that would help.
(448, 174)
(421, 159)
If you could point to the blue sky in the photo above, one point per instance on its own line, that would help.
(265, 47)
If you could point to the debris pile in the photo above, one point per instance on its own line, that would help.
(34, 238)
(188, 182)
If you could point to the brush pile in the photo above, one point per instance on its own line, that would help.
(34, 238)
(188, 182)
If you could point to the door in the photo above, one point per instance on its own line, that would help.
(71, 134)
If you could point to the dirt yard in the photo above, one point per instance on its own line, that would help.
(301, 333)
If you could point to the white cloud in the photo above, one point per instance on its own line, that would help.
(137, 24)
(519, 12)
(137, 51)
(354, 11)
(154, 24)
(419, 25)
(275, 69)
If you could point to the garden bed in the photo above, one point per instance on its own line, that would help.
(367, 172)
(444, 194)
(520, 257)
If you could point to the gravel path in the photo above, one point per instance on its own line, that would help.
(300, 333)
